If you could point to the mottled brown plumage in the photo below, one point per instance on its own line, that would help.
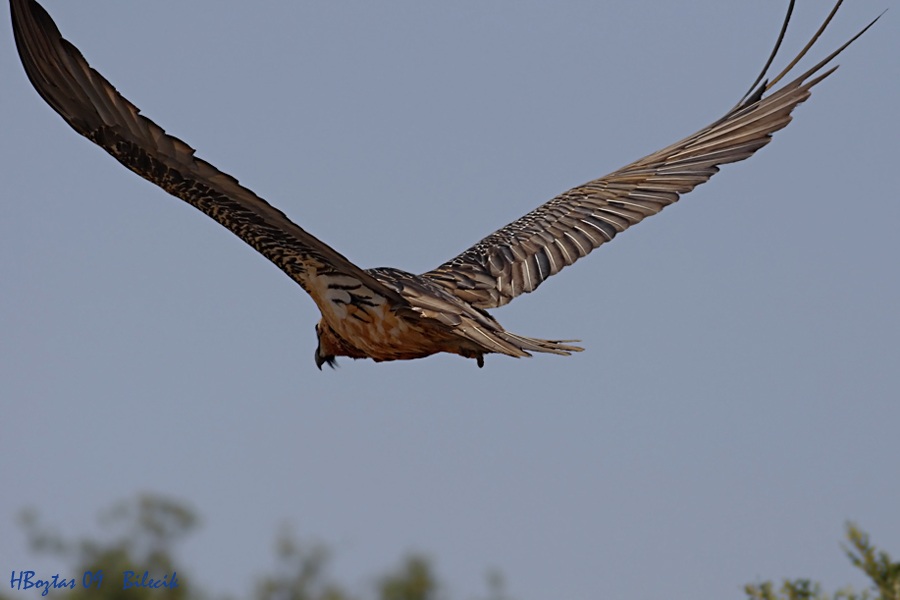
(388, 314)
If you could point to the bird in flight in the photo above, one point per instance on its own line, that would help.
(385, 313)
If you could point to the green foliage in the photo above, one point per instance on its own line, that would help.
(140, 536)
(885, 575)
(877, 565)
(791, 590)
(143, 532)
(300, 574)
(413, 581)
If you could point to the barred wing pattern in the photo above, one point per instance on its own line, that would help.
(93, 107)
(389, 314)
(519, 257)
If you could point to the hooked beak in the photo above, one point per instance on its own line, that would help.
(321, 360)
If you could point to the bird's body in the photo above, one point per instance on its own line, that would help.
(436, 321)
(388, 314)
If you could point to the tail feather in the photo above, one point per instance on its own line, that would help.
(527, 344)
(492, 338)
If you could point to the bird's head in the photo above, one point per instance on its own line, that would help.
(327, 347)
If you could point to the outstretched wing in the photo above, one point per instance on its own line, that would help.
(93, 107)
(519, 257)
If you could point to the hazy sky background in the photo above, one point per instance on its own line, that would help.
(739, 398)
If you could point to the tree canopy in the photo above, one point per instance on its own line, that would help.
(142, 534)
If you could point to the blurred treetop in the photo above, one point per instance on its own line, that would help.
(143, 533)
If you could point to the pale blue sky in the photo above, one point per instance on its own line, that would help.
(739, 398)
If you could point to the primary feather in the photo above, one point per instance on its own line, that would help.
(389, 314)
